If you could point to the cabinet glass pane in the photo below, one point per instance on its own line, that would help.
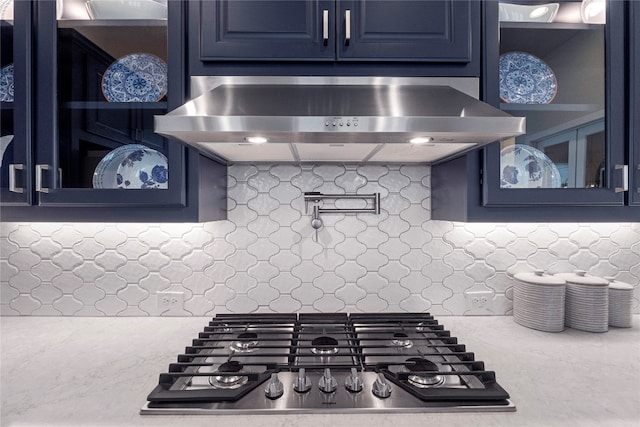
(6, 99)
(564, 146)
(111, 82)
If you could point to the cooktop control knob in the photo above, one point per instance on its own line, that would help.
(381, 387)
(328, 384)
(353, 383)
(274, 389)
(302, 383)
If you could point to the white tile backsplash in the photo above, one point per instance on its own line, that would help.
(264, 258)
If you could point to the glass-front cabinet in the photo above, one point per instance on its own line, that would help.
(634, 114)
(562, 66)
(15, 113)
(102, 75)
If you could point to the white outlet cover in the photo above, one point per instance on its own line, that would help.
(170, 303)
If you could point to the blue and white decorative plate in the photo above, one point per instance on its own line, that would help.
(139, 77)
(143, 169)
(526, 79)
(104, 175)
(522, 166)
(6, 83)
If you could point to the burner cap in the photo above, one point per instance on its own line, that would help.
(246, 342)
(228, 381)
(401, 339)
(423, 327)
(231, 366)
(247, 336)
(423, 379)
(420, 364)
(324, 345)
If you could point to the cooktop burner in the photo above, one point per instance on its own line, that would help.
(316, 363)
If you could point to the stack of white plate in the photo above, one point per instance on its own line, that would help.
(539, 301)
(620, 302)
(587, 302)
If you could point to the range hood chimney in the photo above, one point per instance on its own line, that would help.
(337, 119)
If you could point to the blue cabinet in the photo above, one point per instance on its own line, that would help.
(437, 34)
(266, 30)
(578, 140)
(634, 113)
(15, 110)
(431, 31)
(74, 125)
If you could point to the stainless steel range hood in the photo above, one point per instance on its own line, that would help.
(341, 119)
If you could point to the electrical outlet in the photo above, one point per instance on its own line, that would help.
(170, 302)
(479, 302)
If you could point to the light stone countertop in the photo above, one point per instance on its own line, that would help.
(59, 371)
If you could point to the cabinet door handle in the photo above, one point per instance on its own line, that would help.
(625, 178)
(347, 26)
(39, 187)
(325, 26)
(12, 178)
(638, 188)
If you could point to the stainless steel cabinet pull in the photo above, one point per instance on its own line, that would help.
(638, 188)
(347, 26)
(325, 26)
(625, 178)
(12, 178)
(39, 187)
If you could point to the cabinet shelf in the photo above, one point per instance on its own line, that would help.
(551, 107)
(104, 105)
(542, 39)
(549, 26)
(75, 23)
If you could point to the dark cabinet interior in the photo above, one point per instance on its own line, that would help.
(90, 126)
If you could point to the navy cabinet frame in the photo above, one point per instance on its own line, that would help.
(20, 110)
(190, 173)
(634, 105)
(467, 188)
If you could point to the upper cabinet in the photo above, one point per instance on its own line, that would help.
(565, 74)
(634, 91)
(15, 111)
(101, 70)
(266, 30)
(440, 34)
(276, 30)
(563, 67)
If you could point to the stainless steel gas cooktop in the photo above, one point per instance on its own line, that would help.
(322, 363)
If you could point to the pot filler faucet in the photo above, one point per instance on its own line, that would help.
(317, 197)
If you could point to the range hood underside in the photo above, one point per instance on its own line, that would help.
(328, 147)
(318, 119)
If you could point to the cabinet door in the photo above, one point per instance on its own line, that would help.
(634, 139)
(567, 78)
(413, 30)
(86, 110)
(266, 30)
(15, 107)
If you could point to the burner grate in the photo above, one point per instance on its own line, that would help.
(411, 350)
